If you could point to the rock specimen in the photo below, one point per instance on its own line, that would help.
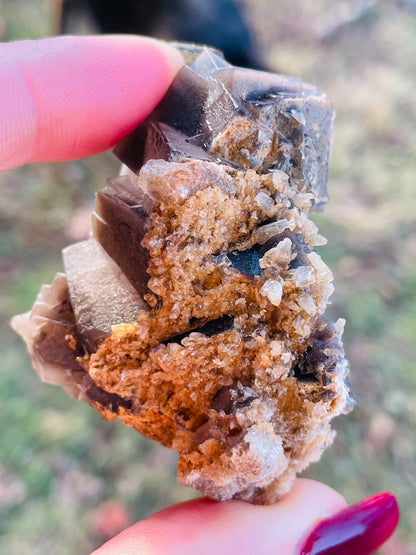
(196, 312)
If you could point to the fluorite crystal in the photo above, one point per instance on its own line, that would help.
(196, 312)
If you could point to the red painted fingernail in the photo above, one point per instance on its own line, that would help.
(356, 530)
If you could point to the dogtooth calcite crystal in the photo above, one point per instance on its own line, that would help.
(196, 311)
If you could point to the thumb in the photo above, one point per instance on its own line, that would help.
(204, 526)
(70, 97)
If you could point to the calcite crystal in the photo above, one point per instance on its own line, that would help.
(196, 312)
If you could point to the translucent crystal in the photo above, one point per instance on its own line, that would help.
(248, 118)
(45, 329)
(121, 217)
(273, 290)
(101, 295)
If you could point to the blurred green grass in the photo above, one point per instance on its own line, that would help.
(59, 461)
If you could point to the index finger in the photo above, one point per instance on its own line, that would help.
(70, 97)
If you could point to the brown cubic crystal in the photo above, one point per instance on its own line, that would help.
(196, 312)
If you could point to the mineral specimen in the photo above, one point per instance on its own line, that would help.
(196, 313)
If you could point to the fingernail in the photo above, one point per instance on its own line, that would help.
(356, 530)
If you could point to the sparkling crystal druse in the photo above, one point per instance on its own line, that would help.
(195, 313)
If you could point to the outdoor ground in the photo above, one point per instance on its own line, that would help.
(66, 477)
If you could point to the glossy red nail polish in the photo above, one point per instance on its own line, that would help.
(356, 530)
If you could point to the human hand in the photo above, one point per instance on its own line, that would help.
(71, 97)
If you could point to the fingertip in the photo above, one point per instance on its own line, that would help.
(359, 528)
(159, 53)
(325, 500)
(173, 56)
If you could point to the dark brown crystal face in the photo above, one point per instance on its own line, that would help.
(241, 117)
(196, 312)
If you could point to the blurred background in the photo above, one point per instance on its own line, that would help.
(69, 481)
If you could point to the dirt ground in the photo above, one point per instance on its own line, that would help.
(66, 477)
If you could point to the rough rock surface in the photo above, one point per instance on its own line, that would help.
(196, 313)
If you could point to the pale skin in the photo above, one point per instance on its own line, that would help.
(71, 97)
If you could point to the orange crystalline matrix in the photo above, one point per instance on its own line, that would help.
(196, 313)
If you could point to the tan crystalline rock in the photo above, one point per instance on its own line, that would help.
(196, 314)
